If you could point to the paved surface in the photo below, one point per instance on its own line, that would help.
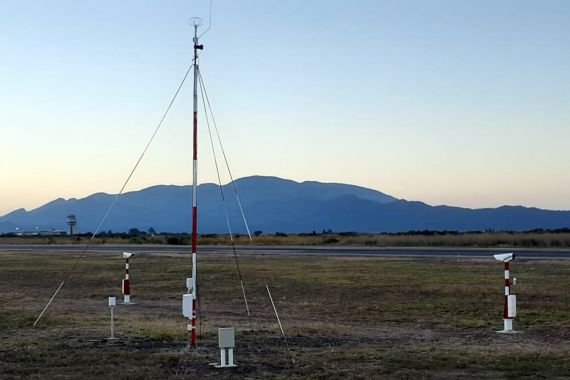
(547, 254)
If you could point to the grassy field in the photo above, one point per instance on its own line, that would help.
(344, 318)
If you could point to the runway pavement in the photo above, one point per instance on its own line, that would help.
(546, 254)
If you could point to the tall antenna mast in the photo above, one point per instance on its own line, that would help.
(196, 22)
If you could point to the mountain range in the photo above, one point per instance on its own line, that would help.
(272, 205)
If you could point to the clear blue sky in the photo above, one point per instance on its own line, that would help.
(450, 102)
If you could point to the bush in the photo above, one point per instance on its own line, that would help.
(175, 240)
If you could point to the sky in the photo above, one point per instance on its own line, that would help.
(464, 103)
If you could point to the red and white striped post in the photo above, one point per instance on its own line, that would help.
(192, 326)
(508, 321)
(126, 280)
(510, 300)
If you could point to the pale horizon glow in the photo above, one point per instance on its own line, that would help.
(457, 103)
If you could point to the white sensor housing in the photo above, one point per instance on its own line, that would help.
(504, 257)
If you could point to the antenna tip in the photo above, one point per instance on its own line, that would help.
(195, 21)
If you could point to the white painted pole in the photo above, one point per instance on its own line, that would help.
(112, 322)
(112, 303)
(230, 357)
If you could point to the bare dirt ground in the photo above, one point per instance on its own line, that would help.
(343, 317)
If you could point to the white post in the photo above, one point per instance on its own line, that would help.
(112, 322)
(112, 303)
(230, 357)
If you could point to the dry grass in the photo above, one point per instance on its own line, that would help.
(420, 239)
(345, 317)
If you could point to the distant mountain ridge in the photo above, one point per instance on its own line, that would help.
(271, 205)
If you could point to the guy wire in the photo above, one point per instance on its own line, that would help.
(116, 198)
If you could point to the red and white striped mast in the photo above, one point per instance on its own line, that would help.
(195, 22)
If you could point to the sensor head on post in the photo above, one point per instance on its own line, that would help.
(504, 257)
(126, 255)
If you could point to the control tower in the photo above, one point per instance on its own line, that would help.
(71, 222)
